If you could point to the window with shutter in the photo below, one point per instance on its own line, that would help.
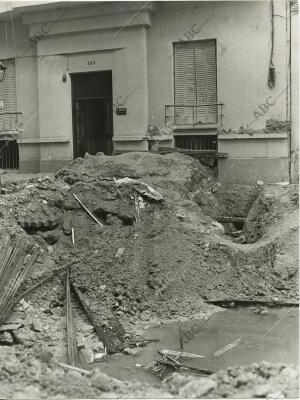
(8, 97)
(195, 82)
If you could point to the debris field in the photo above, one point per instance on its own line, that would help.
(108, 244)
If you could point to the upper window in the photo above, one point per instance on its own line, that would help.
(195, 82)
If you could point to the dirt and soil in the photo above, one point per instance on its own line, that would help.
(24, 377)
(165, 266)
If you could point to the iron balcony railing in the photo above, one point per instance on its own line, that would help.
(10, 122)
(196, 115)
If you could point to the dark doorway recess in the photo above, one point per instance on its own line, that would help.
(92, 113)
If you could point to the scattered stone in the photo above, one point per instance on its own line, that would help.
(24, 336)
(127, 350)
(47, 311)
(285, 265)
(55, 303)
(264, 311)
(218, 227)
(113, 220)
(43, 353)
(175, 381)
(100, 357)
(102, 381)
(120, 252)
(36, 326)
(71, 204)
(197, 388)
(131, 351)
(88, 354)
(241, 239)
(24, 304)
(181, 217)
(262, 390)
(145, 315)
(66, 227)
(244, 378)
(6, 339)
(52, 237)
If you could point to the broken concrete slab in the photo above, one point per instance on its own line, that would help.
(10, 327)
(125, 212)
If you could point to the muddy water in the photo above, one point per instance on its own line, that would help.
(272, 337)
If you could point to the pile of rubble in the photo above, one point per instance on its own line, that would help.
(22, 376)
(142, 237)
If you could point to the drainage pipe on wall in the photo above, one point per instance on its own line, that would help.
(288, 84)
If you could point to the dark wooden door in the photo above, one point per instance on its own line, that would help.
(92, 113)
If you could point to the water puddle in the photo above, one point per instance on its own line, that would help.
(272, 337)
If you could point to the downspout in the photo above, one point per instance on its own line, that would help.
(271, 74)
(289, 87)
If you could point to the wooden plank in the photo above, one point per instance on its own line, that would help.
(251, 302)
(227, 347)
(73, 356)
(66, 366)
(183, 354)
(111, 333)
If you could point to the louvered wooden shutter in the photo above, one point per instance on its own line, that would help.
(185, 87)
(8, 94)
(195, 82)
(205, 62)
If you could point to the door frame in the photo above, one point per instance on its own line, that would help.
(73, 99)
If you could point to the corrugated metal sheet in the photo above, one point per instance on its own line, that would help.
(15, 261)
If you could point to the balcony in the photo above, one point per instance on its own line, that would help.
(192, 117)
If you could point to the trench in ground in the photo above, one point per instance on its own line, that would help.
(271, 337)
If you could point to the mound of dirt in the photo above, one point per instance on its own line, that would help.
(175, 256)
(258, 380)
(275, 211)
(152, 259)
(172, 174)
